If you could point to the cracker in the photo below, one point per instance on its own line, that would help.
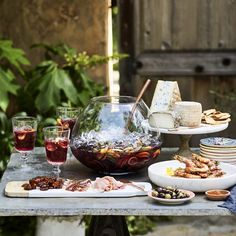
(214, 117)
(208, 112)
(210, 120)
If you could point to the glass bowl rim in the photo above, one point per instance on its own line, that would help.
(109, 98)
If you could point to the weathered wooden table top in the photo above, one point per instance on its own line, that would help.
(92, 206)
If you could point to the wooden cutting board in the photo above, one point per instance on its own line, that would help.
(14, 189)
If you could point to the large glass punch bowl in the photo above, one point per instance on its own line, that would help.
(112, 136)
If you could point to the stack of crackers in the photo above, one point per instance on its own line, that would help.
(214, 117)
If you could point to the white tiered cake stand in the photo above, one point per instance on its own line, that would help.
(185, 134)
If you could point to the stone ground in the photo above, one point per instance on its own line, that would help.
(176, 226)
(197, 226)
(60, 226)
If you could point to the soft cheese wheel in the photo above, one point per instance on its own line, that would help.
(189, 113)
(165, 120)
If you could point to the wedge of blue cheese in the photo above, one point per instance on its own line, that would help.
(166, 94)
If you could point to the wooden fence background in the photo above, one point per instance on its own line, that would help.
(183, 26)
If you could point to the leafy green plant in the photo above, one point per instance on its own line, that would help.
(140, 225)
(224, 95)
(6, 141)
(63, 78)
(11, 62)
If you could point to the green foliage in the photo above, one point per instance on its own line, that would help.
(224, 95)
(14, 56)
(140, 225)
(137, 225)
(47, 83)
(11, 62)
(10, 58)
(63, 78)
(6, 141)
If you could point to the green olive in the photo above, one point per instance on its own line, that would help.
(154, 193)
(170, 188)
(168, 196)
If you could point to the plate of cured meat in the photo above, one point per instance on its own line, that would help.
(107, 186)
(197, 174)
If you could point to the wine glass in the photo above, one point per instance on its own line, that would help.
(66, 117)
(24, 132)
(56, 142)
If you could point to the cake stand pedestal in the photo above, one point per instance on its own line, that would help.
(185, 134)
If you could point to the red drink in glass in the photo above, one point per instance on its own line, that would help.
(56, 142)
(24, 139)
(56, 151)
(24, 132)
(67, 117)
(67, 123)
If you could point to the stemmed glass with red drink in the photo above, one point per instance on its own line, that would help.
(56, 142)
(24, 132)
(67, 116)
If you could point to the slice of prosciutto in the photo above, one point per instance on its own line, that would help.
(77, 185)
(107, 183)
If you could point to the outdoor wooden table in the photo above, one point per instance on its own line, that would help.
(109, 212)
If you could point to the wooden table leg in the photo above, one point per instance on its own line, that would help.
(108, 226)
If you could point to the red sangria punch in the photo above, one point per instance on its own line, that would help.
(119, 156)
(24, 132)
(24, 139)
(56, 151)
(67, 117)
(66, 123)
(56, 142)
(112, 137)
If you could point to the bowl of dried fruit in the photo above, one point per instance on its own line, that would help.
(111, 136)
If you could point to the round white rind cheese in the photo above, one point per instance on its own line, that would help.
(189, 113)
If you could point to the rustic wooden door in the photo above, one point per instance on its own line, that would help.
(191, 41)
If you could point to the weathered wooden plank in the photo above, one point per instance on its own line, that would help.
(222, 20)
(126, 45)
(184, 25)
(186, 63)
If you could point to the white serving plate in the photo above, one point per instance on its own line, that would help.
(202, 129)
(173, 201)
(157, 174)
(223, 160)
(14, 189)
(213, 155)
(218, 149)
(230, 153)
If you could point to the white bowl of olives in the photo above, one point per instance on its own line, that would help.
(170, 195)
